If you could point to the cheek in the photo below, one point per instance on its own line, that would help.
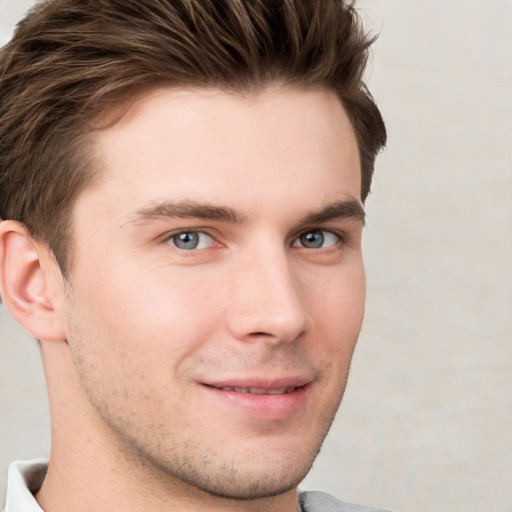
(136, 322)
(338, 309)
(339, 301)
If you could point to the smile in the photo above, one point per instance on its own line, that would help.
(265, 401)
(258, 391)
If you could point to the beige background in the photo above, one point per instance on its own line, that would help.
(426, 424)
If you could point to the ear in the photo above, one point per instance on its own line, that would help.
(26, 268)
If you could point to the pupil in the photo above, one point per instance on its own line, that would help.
(186, 240)
(313, 239)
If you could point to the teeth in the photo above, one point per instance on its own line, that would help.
(281, 391)
(257, 391)
(260, 391)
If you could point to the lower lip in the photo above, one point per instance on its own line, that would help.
(271, 407)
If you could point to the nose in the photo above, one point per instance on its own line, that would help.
(267, 299)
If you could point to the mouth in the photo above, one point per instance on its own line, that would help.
(257, 391)
(273, 399)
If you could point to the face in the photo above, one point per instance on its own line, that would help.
(217, 287)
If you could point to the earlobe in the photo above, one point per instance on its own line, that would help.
(24, 283)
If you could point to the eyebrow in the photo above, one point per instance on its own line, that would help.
(186, 210)
(349, 208)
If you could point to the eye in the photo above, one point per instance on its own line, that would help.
(190, 240)
(316, 239)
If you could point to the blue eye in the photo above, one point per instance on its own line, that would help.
(316, 239)
(190, 240)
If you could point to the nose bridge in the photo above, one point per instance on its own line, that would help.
(267, 296)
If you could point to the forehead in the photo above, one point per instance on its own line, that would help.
(210, 145)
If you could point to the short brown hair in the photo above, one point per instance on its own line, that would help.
(70, 61)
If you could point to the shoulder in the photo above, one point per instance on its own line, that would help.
(316, 501)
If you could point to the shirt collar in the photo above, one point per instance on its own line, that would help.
(23, 479)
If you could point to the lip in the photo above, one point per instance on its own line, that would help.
(263, 398)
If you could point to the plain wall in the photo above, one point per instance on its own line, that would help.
(426, 423)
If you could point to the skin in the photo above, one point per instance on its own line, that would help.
(141, 337)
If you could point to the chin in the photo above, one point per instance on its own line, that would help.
(240, 484)
(248, 476)
(251, 491)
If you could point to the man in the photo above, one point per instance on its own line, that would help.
(182, 187)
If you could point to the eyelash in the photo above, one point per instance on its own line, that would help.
(169, 238)
(338, 238)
